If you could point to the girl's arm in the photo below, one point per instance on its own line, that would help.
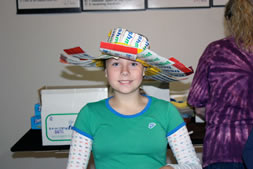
(183, 150)
(79, 153)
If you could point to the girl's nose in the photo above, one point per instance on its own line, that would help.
(125, 70)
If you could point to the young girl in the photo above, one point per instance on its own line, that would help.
(130, 130)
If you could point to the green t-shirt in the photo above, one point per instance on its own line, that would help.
(136, 141)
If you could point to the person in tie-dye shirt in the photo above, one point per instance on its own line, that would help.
(222, 89)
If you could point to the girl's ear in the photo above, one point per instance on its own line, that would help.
(144, 70)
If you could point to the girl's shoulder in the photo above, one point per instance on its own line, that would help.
(166, 112)
(160, 102)
(94, 105)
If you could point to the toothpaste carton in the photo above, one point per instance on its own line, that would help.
(36, 122)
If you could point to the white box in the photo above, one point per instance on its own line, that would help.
(60, 108)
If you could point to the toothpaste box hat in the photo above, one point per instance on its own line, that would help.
(133, 46)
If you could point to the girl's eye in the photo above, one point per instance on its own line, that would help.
(134, 64)
(115, 64)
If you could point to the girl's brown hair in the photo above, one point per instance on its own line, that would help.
(239, 17)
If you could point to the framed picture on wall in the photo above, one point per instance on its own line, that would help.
(178, 4)
(48, 6)
(219, 3)
(113, 5)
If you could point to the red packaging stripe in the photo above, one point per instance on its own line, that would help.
(180, 66)
(120, 48)
(75, 50)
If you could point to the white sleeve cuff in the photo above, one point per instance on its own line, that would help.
(79, 153)
(183, 150)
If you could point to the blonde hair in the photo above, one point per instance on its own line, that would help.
(239, 17)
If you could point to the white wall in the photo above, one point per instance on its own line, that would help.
(30, 47)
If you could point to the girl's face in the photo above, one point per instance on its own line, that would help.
(124, 76)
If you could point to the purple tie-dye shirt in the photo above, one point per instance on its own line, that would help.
(223, 84)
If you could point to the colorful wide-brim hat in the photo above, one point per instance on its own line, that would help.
(133, 46)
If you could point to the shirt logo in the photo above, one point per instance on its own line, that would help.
(151, 125)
